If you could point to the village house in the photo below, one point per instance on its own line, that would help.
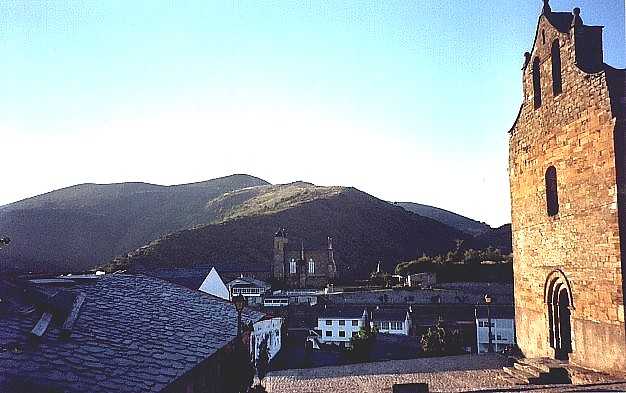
(337, 325)
(391, 320)
(269, 328)
(116, 333)
(567, 166)
(250, 288)
(502, 321)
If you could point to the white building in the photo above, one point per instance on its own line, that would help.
(213, 285)
(269, 328)
(392, 320)
(250, 288)
(502, 328)
(338, 324)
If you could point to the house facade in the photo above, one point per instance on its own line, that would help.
(270, 329)
(567, 180)
(250, 288)
(502, 329)
(337, 325)
(391, 320)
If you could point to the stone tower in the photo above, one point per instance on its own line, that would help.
(295, 266)
(278, 264)
(566, 170)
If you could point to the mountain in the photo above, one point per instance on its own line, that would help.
(364, 230)
(454, 220)
(500, 237)
(86, 225)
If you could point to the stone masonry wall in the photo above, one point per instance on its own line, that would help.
(574, 132)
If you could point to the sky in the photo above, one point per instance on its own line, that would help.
(405, 100)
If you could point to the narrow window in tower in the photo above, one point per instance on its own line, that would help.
(543, 37)
(311, 266)
(552, 194)
(557, 82)
(292, 266)
(537, 82)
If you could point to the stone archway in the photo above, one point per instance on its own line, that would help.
(559, 302)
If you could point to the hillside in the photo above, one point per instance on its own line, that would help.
(365, 229)
(454, 220)
(85, 225)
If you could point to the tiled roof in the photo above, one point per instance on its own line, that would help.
(133, 334)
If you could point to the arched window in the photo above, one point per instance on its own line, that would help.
(537, 82)
(311, 266)
(557, 82)
(292, 266)
(552, 193)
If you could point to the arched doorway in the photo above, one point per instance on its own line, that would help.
(558, 299)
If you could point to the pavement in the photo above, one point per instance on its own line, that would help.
(465, 373)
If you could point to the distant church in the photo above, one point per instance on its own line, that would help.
(567, 162)
(297, 267)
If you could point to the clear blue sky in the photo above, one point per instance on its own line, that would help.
(406, 100)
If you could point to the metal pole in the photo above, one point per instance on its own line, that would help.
(239, 325)
(490, 348)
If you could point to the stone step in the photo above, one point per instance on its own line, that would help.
(529, 369)
(539, 364)
(523, 377)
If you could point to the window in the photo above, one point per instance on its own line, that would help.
(342, 333)
(537, 82)
(384, 325)
(543, 36)
(329, 322)
(329, 333)
(311, 266)
(552, 193)
(557, 82)
(342, 322)
(355, 322)
(292, 266)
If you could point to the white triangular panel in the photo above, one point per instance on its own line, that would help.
(213, 285)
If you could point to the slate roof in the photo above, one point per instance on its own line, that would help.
(248, 281)
(389, 314)
(342, 312)
(497, 312)
(133, 334)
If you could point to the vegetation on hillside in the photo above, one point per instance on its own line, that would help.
(488, 264)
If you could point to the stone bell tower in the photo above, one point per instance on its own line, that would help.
(568, 205)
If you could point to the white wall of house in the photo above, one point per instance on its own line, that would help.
(393, 327)
(270, 328)
(502, 334)
(337, 330)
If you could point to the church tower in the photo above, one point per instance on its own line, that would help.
(568, 206)
(278, 263)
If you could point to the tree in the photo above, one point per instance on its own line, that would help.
(438, 341)
(362, 342)
(263, 361)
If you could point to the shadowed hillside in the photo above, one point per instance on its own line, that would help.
(82, 226)
(365, 230)
(454, 220)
